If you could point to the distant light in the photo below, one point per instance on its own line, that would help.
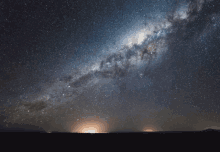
(94, 129)
(90, 125)
(148, 130)
(90, 131)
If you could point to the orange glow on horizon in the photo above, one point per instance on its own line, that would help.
(90, 125)
(149, 129)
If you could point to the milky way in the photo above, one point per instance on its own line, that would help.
(124, 87)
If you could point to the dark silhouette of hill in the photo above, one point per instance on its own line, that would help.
(21, 128)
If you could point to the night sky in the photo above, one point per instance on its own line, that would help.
(110, 65)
